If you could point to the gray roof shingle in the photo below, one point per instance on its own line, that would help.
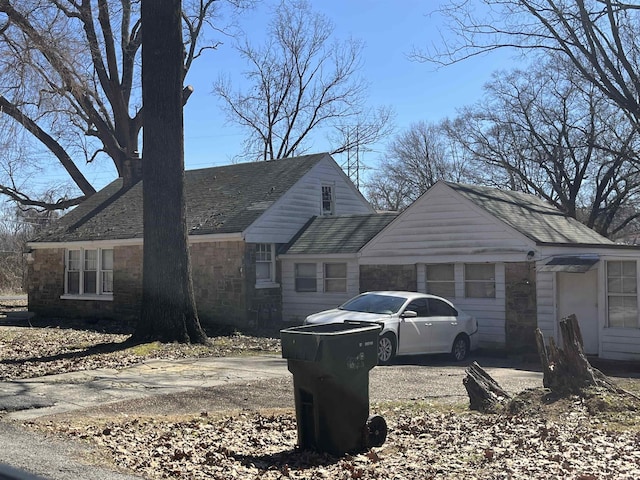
(530, 216)
(224, 199)
(340, 234)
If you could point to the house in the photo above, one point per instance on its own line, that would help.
(320, 269)
(508, 258)
(89, 263)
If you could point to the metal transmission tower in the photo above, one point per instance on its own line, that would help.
(352, 165)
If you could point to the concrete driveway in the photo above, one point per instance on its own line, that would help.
(193, 385)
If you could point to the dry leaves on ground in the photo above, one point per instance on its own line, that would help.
(422, 444)
(50, 346)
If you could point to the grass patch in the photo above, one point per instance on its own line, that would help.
(145, 349)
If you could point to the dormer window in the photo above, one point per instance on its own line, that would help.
(328, 201)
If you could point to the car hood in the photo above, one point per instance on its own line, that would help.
(336, 316)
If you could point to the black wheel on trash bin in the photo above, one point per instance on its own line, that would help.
(386, 348)
(376, 431)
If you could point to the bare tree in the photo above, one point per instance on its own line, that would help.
(548, 132)
(599, 37)
(416, 159)
(168, 301)
(300, 81)
(69, 80)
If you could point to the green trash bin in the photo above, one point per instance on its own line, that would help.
(330, 364)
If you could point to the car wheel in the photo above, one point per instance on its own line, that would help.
(386, 348)
(460, 349)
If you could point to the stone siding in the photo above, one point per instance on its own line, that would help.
(223, 279)
(521, 311)
(45, 286)
(127, 282)
(219, 282)
(264, 304)
(388, 277)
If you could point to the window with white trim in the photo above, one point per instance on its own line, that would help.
(480, 280)
(335, 277)
(265, 263)
(622, 294)
(440, 279)
(305, 277)
(328, 200)
(89, 271)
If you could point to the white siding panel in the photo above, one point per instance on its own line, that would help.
(490, 312)
(546, 304)
(297, 305)
(442, 222)
(296, 207)
(620, 344)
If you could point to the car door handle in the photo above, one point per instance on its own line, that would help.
(454, 323)
(428, 324)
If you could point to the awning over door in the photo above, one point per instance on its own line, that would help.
(570, 263)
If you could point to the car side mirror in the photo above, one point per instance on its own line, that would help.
(409, 314)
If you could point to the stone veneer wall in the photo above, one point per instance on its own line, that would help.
(388, 277)
(219, 282)
(45, 286)
(223, 279)
(521, 307)
(127, 282)
(264, 305)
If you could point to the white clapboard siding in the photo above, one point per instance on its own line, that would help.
(297, 305)
(443, 223)
(620, 343)
(303, 201)
(546, 304)
(489, 312)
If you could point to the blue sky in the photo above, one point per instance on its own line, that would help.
(389, 30)
(416, 91)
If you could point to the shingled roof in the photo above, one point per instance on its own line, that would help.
(530, 216)
(225, 199)
(340, 234)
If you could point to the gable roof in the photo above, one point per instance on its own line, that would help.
(225, 199)
(339, 234)
(531, 216)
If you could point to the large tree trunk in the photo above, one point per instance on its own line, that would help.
(168, 302)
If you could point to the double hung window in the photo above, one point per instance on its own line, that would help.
(89, 271)
(480, 280)
(622, 294)
(265, 264)
(335, 277)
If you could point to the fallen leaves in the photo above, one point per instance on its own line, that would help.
(35, 351)
(422, 444)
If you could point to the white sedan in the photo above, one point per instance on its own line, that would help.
(412, 323)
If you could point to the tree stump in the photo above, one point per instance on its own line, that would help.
(567, 370)
(485, 395)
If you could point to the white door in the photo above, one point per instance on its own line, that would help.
(577, 294)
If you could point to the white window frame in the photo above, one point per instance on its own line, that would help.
(325, 187)
(327, 279)
(104, 276)
(490, 284)
(298, 277)
(437, 282)
(270, 252)
(624, 295)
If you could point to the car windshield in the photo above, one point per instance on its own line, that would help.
(374, 303)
